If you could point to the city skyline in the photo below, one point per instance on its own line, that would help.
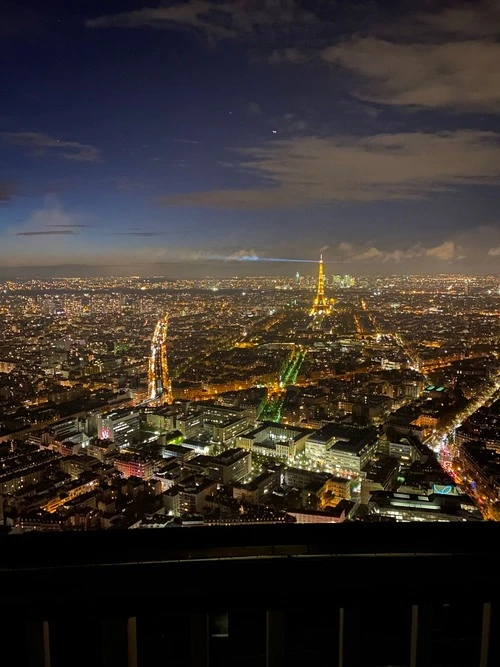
(172, 139)
(376, 398)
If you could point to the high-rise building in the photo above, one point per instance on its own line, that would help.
(347, 281)
(336, 280)
(120, 426)
(159, 387)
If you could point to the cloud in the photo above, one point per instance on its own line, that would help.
(446, 252)
(242, 255)
(16, 253)
(303, 171)
(345, 247)
(474, 19)
(291, 124)
(138, 233)
(215, 20)
(183, 141)
(494, 252)
(48, 232)
(254, 109)
(50, 220)
(370, 253)
(7, 191)
(372, 258)
(289, 55)
(399, 255)
(42, 144)
(127, 185)
(52, 214)
(460, 75)
(74, 225)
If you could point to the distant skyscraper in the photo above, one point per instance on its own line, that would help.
(297, 278)
(320, 304)
(336, 280)
(159, 387)
(347, 281)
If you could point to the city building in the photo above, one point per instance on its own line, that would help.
(189, 425)
(228, 430)
(381, 474)
(343, 448)
(325, 486)
(413, 507)
(77, 464)
(134, 465)
(227, 467)
(102, 449)
(189, 496)
(161, 420)
(67, 492)
(275, 440)
(337, 514)
(255, 492)
(179, 452)
(120, 426)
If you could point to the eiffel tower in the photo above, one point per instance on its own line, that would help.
(320, 304)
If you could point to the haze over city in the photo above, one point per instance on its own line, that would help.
(182, 139)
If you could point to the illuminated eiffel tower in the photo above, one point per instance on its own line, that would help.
(320, 304)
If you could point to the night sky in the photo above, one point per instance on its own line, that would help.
(179, 139)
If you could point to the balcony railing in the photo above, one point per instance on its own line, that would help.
(371, 595)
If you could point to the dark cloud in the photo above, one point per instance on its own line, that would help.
(305, 171)
(471, 18)
(138, 233)
(457, 75)
(288, 55)
(48, 232)
(429, 55)
(185, 141)
(42, 144)
(443, 58)
(216, 20)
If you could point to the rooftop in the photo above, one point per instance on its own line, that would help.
(263, 432)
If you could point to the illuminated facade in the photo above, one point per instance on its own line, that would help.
(159, 387)
(320, 304)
